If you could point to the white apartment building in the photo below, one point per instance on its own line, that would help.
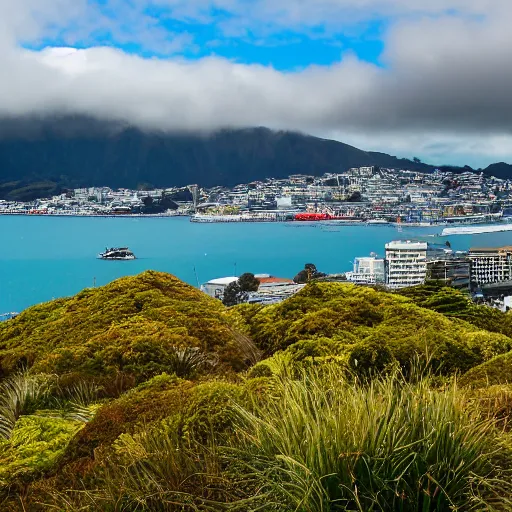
(369, 270)
(406, 263)
(490, 265)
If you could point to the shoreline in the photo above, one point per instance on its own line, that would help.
(458, 228)
(106, 215)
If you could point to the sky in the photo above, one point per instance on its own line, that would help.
(413, 78)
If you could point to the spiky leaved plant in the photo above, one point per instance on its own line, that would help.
(19, 394)
(330, 443)
(185, 362)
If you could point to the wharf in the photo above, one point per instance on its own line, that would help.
(243, 217)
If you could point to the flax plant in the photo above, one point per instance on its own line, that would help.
(18, 395)
(389, 444)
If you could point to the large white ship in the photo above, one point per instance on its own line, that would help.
(476, 230)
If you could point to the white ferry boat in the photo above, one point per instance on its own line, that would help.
(117, 253)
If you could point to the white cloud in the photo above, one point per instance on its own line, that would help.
(443, 93)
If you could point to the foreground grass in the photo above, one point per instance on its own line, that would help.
(321, 443)
(330, 444)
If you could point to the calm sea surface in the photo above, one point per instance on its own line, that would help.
(42, 258)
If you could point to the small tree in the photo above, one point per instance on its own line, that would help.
(248, 283)
(311, 269)
(232, 294)
(355, 197)
(310, 272)
(301, 277)
(238, 291)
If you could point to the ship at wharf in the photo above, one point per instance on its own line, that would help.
(261, 216)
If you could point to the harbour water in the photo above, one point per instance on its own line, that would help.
(42, 258)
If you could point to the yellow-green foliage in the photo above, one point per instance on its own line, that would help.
(457, 304)
(36, 443)
(496, 371)
(329, 443)
(194, 411)
(210, 410)
(131, 325)
(369, 329)
(141, 334)
(149, 403)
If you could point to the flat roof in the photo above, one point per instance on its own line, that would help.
(506, 248)
(275, 280)
(223, 280)
(406, 244)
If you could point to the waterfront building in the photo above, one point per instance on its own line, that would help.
(216, 287)
(284, 202)
(367, 270)
(273, 290)
(268, 281)
(406, 263)
(270, 287)
(490, 265)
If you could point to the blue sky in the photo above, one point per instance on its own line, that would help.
(406, 77)
(223, 34)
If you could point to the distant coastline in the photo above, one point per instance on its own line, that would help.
(106, 215)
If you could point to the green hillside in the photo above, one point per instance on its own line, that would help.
(134, 326)
(148, 395)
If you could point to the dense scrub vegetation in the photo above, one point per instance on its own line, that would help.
(147, 395)
(136, 327)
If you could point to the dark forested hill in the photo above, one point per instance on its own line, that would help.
(38, 156)
(500, 170)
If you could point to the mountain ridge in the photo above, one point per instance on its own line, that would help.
(41, 156)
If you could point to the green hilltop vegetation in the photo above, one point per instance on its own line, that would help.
(147, 395)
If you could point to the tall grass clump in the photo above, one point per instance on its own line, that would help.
(186, 362)
(389, 444)
(152, 471)
(75, 401)
(20, 394)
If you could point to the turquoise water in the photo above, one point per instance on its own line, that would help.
(42, 258)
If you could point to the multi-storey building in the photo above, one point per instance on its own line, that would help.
(406, 263)
(490, 265)
(370, 270)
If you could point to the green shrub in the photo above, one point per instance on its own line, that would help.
(496, 371)
(376, 328)
(209, 414)
(458, 304)
(141, 325)
(136, 409)
(35, 446)
(279, 364)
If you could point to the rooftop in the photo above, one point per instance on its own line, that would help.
(506, 248)
(223, 281)
(407, 244)
(273, 280)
